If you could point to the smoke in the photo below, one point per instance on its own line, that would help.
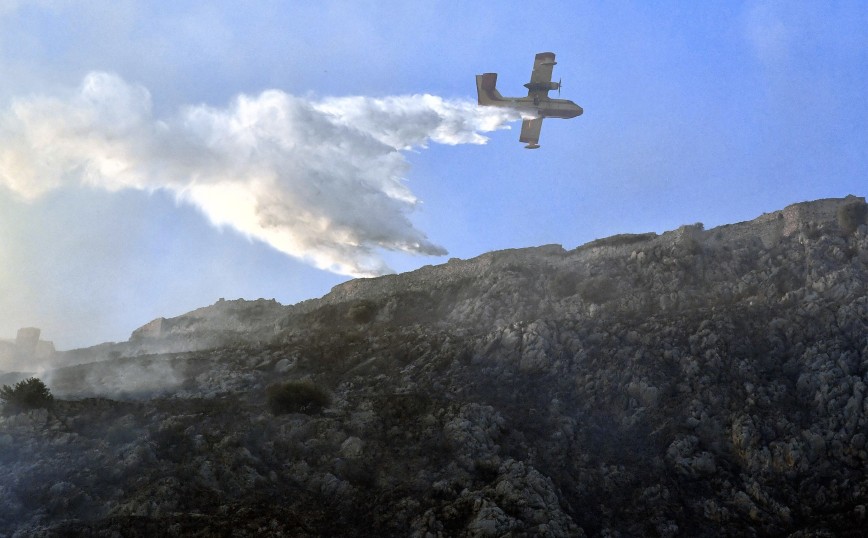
(320, 180)
(120, 378)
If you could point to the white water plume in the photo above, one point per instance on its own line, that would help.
(320, 180)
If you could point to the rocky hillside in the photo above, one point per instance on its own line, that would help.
(693, 383)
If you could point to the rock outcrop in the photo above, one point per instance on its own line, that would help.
(692, 383)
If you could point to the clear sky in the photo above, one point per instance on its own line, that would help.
(156, 156)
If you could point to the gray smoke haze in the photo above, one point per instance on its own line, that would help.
(320, 180)
(118, 379)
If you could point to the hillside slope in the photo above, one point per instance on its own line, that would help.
(693, 383)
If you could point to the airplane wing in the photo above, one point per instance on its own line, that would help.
(530, 132)
(541, 76)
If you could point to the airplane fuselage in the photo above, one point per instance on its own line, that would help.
(544, 108)
(540, 106)
(537, 105)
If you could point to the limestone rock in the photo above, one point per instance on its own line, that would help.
(693, 383)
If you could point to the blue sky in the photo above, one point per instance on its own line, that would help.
(710, 112)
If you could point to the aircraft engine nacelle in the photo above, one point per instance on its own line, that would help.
(542, 86)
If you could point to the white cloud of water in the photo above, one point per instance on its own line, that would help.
(322, 180)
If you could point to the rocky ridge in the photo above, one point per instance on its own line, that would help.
(697, 383)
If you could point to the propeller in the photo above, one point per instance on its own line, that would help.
(559, 86)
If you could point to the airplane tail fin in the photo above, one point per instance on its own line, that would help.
(486, 89)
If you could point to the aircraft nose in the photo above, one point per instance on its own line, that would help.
(579, 111)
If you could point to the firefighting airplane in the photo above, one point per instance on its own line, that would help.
(537, 101)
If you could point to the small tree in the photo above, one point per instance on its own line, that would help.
(852, 215)
(362, 312)
(296, 397)
(31, 393)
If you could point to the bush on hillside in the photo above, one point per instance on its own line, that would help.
(296, 397)
(362, 312)
(31, 393)
(597, 289)
(565, 284)
(852, 215)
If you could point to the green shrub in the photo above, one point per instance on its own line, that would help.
(296, 397)
(597, 289)
(852, 215)
(31, 393)
(362, 312)
(565, 284)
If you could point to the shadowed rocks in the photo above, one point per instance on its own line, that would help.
(693, 383)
